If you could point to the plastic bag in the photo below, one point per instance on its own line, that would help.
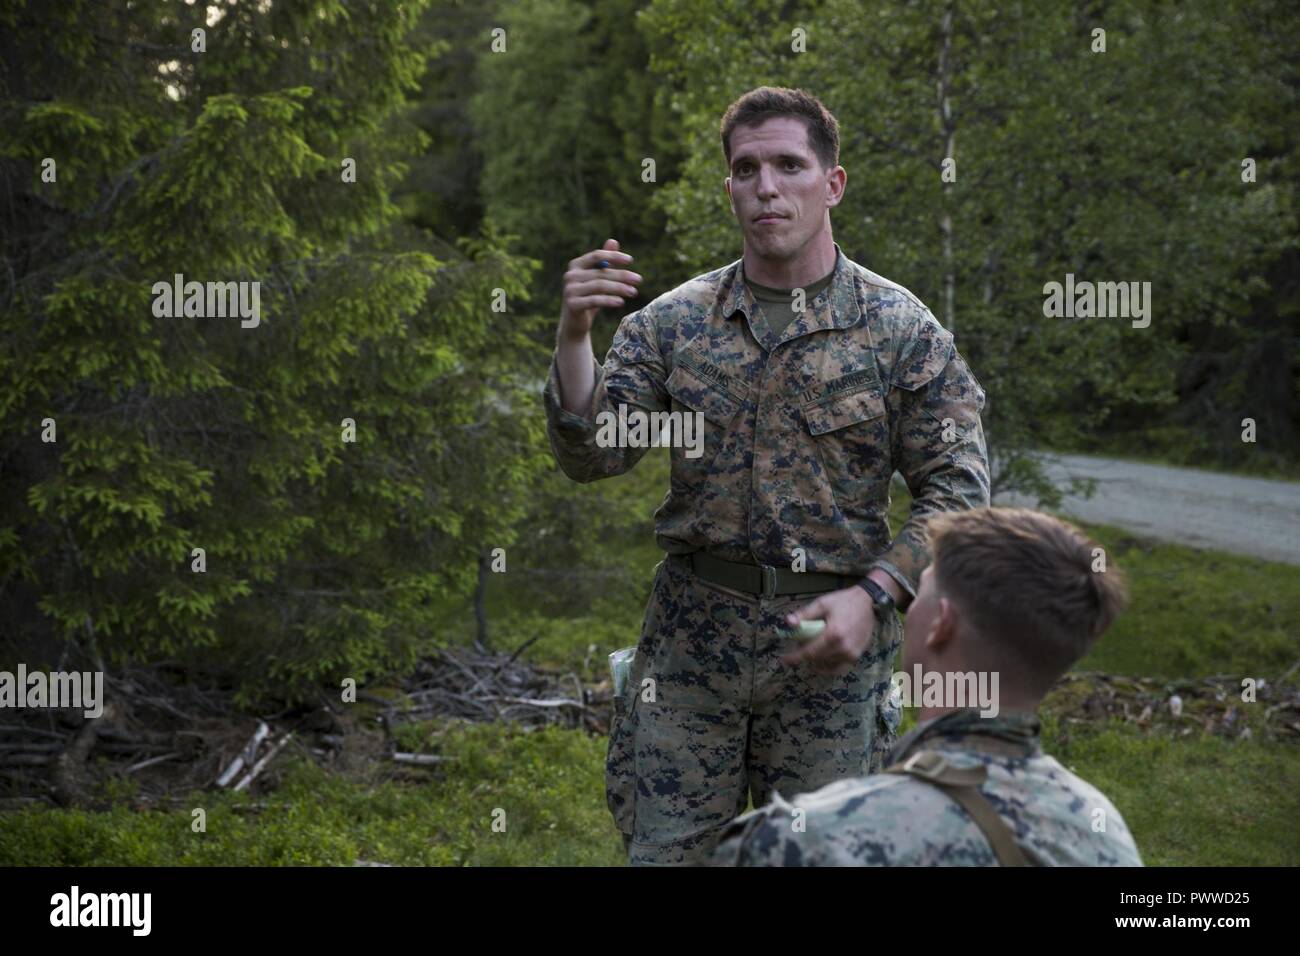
(620, 668)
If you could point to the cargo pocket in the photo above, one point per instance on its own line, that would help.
(717, 399)
(691, 772)
(851, 433)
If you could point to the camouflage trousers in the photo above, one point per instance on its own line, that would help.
(710, 717)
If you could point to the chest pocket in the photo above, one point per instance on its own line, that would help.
(698, 386)
(851, 432)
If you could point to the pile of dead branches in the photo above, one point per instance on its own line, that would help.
(1211, 705)
(58, 756)
(163, 731)
(477, 685)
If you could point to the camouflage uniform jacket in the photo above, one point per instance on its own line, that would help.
(896, 820)
(802, 431)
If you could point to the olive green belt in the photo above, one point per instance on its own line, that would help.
(762, 579)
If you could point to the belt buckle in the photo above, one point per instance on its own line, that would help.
(769, 581)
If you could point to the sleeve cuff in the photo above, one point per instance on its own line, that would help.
(898, 576)
(565, 422)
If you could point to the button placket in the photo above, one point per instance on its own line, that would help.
(760, 404)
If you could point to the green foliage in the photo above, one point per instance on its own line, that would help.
(1114, 166)
(480, 171)
(549, 783)
(1191, 800)
(324, 557)
(1196, 800)
(565, 118)
(1195, 613)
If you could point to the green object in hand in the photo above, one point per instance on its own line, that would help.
(809, 629)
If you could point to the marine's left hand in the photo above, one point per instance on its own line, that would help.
(850, 622)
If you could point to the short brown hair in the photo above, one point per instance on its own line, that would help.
(1025, 582)
(769, 101)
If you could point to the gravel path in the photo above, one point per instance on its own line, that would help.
(1252, 516)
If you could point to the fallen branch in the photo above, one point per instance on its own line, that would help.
(420, 760)
(264, 762)
(519, 650)
(22, 803)
(246, 755)
(69, 766)
(560, 702)
(18, 728)
(151, 761)
(32, 748)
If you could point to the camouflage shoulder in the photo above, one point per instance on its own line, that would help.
(1108, 840)
(899, 821)
(890, 295)
(659, 318)
(914, 344)
(740, 838)
(688, 304)
(697, 293)
(807, 829)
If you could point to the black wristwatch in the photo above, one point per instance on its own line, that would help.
(882, 599)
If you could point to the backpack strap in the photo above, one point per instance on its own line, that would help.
(962, 784)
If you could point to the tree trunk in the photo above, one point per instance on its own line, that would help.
(480, 604)
(949, 131)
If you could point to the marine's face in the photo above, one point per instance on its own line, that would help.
(774, 172)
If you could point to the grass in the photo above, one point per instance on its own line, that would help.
(1197, 800)
(1191, 801)
(1194, 613)
(1194, 799)
(549, 783)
